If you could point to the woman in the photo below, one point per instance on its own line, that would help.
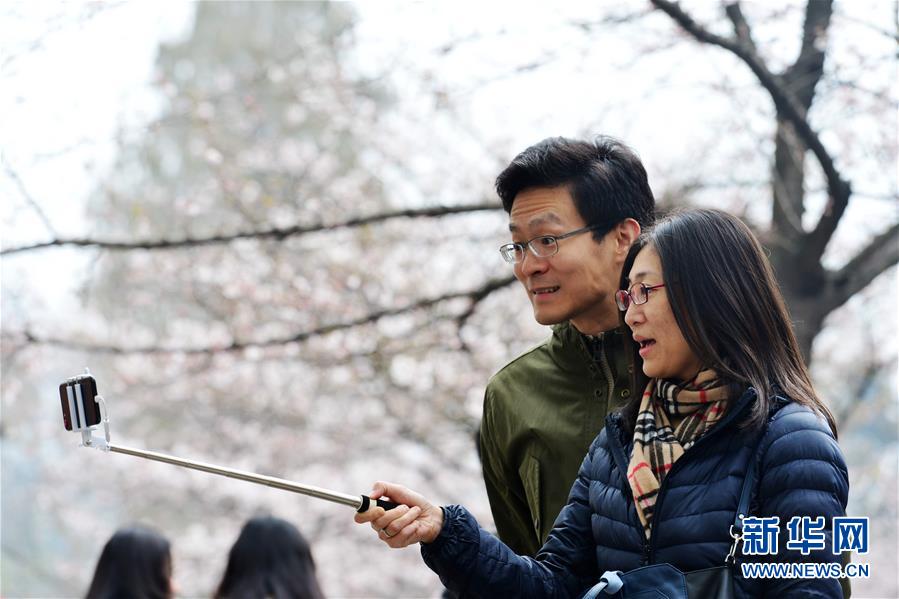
(723, 383)
(136, 562)
(269, 559)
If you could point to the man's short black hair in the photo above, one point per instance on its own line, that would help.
(605, 178)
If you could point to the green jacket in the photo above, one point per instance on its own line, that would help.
(541, 412)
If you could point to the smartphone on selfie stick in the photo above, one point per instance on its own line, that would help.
(84, 410)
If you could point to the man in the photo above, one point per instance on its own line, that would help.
(575, 208)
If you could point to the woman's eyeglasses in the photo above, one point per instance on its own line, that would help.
(638, 294)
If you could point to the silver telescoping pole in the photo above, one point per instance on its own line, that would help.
(355, 501)
(84, 410)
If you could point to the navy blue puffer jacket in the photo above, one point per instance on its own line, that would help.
(801, 472)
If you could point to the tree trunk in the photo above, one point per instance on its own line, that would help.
(805, 313)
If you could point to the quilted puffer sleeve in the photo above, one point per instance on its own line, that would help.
(802, 473)
(474, 563)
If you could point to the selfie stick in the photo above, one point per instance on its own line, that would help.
(84, 410)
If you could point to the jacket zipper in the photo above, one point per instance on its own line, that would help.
(649, 545)
(607, 370)
(613, 424)
(724, 423)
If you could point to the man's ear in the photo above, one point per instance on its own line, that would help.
(626, 233)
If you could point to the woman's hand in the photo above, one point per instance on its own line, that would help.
(414, 521)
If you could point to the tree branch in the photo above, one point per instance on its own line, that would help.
(879, 255)
(741, 27)
(477, 298)
(893, 35)
(800, 79)
(805, 73)
(788, 107)
(861, 392)
(11, 172)
(277, 233)
(473, 295)
(613, 19)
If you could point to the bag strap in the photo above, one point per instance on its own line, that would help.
(736, 529)
(748, 486)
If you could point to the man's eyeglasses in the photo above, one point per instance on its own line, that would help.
(543, 246)
(637, 295)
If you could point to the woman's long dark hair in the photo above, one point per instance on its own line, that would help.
(136, 562)
(729, 308)
(269, 559)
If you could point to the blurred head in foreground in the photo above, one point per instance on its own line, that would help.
(136, 562)
(269, 559)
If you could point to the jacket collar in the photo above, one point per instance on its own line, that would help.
(568, 346)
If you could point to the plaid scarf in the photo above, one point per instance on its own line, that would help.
(701, 403)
